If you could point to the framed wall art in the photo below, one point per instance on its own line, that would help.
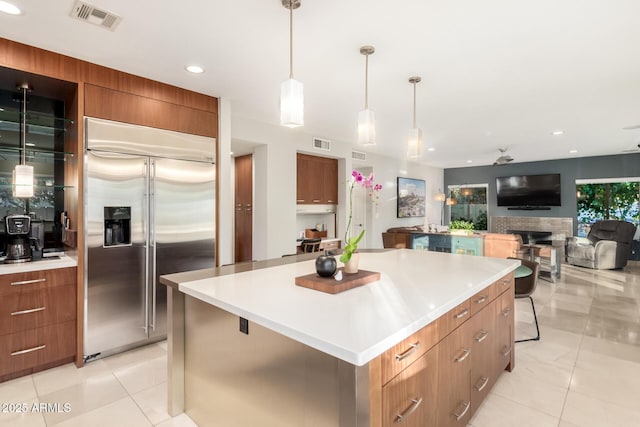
(411, 197)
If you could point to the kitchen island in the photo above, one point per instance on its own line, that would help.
(411, 347)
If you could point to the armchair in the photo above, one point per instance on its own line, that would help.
(504, 245)
(607, 246)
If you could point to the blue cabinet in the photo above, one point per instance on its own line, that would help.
(467, 245)
(436, 242)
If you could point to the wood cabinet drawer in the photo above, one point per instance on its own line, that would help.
(409, 399)
(454, 318)
(34, 347)
(34, 280)
(20, 311)
(482, 299)
(504, 284)
(330, 246)
(408, 350)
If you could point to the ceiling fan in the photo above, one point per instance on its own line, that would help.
(503, 159)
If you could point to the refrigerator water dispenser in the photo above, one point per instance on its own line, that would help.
(117, 226)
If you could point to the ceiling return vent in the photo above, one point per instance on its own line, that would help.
(92, 14)
(358, 155)
(321, 144)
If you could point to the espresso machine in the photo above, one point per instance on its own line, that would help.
(18, 244)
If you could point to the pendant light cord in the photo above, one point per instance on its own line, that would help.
(23, 127)
(366, 82)
(414, 105)
(291, 39)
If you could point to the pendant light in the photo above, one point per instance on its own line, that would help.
(366, 117)
(291, 91)
(414, 143)
(23, 174)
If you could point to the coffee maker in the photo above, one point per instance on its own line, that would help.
(18, 247)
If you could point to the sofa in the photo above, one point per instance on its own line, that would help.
(499, 245)
(608, 245)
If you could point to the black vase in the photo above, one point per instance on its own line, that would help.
(326, 265)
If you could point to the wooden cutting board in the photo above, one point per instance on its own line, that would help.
(332, 286)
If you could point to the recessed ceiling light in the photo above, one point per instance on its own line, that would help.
(231, 153)
(195, 69)
(9, 8)
(469, 161)
(573, 151)
(557, 132)
(431, 149)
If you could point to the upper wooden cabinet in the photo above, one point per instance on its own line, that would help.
(317, 180)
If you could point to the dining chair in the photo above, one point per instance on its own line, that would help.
(525, 287)
(310, 245)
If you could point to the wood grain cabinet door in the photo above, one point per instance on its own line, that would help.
(483, 374)
(455, 359)
(410, 398)
(504, 344)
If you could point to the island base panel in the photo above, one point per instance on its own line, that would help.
(264, 378)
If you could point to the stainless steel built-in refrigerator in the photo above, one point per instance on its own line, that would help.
(149, 210)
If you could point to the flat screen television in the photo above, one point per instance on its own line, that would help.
(529, 190)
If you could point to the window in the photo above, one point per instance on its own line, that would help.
(469, 202)
(607, 199)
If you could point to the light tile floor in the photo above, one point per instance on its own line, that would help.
(585, 371)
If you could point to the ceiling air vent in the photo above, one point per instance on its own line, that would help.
(321, 144)
(358, 155)
(88, 13)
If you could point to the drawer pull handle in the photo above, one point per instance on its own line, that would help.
(32, 310)
(461, 314)
(408, 352)
(506, 312)
(482, 299)
(27, 282)
(316, 200)
(459, 415)
(482, 336)
(484, 381)
(464, 355)
(300, 200)
(410, 410)
(506, 282)
(29, 350)
(506, 351)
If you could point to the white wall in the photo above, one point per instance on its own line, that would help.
(275, 226)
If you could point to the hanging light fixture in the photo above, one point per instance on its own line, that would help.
(466, 191)
(414, 144)
(23, 174)
(291, 90)
(366, 117)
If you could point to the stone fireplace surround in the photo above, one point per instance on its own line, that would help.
(542, 230)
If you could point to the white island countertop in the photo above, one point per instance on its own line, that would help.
(416, 287)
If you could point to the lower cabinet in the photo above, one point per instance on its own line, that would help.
(409, 398)
(37, 321)
(454, 366)
(440, 375)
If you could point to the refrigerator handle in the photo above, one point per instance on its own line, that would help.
(152, 221)
(145, 220)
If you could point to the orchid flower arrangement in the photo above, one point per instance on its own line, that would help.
(351, 243)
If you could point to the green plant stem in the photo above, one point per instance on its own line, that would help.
(346, 231)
